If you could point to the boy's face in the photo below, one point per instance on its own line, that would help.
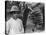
(15, 16)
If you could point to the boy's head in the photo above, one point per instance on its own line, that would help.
(15, 12)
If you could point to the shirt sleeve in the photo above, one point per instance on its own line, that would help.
(7, 27)
(21, 27)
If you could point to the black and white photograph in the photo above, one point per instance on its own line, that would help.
(24, 17)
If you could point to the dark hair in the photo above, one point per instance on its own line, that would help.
(14, 12)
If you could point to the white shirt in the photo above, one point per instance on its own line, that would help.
(14, 26)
